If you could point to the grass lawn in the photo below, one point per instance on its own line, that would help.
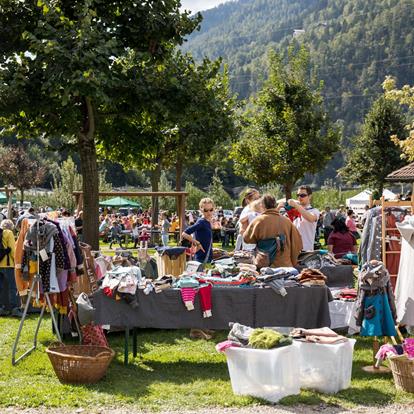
(173, 373)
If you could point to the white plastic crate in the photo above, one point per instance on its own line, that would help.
(268, 374)
(325, 368)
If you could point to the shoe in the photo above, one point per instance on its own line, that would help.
(17, 313)
(199, 334)
(4, 312)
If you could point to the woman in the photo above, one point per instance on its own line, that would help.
(351, 224)
(165, 228)
(274, 234)
(245, 218)
(202, 231)
(341, 241)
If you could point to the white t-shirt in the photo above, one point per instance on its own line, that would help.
(307, 229)
(251, 215)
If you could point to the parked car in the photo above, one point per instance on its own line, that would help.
(237, 211)
(228, 214)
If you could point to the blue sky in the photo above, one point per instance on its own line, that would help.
(198, 5)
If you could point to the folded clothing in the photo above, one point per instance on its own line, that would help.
(239, 333)
(311, 277)
(222, 346)
(320, 335)
(267, 339)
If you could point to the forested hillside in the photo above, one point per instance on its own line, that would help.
(354, 44)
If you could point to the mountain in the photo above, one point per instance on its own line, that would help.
(354, 44)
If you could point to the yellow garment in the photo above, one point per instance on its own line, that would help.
(8, 241)
(175, 225)
(22, 285)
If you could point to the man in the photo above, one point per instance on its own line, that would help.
(328, 218)
(309, 216)
(341, 212)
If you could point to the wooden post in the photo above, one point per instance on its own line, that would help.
(181, 213)
(383, 232)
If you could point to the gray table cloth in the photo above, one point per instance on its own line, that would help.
(255, 307)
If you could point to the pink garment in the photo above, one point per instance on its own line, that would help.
(188, 295)
(385, 351)
(350, 223)
(222, 346)
(409, 347)
(205, 300)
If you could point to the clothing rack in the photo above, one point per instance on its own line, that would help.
(386, 205)
(36, 283)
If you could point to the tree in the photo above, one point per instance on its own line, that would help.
(19, 169)
(191, 112)
(70, 68)
(288, 132)
(373, 154)
(219, 195)
(405, 96)
(194, 195)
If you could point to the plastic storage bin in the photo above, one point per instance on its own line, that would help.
(268, 374)
(325, 368)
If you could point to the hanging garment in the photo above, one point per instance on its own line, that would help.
(404, 291)
(378, 320)
(393, 245)
(374, 282)
(370, 247)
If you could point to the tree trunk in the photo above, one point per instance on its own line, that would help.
(155, 180)
(21, 197)
(287, 188)
(178, 174)
(90, 176)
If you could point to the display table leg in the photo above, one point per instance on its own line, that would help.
(126, 346)
(134, 342)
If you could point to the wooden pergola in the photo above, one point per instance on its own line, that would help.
(181, 197)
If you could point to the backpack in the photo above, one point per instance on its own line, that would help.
(4, 251)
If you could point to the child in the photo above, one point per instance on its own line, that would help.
(115, 232)
(165, 227)
(144, 236)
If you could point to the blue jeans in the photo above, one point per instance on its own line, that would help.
(164, 238)
(7, 273)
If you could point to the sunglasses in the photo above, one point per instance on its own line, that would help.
(208, 210)
(302, 195)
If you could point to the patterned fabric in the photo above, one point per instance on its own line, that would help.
(93, 335)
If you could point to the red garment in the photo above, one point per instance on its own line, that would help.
(293, 214)
(93, 335)
(393, 259)
(205, 300)
(342, 243)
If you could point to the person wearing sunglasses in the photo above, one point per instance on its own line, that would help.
(307, 221)
(200, 234)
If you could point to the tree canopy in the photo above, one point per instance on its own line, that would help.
(373, 154)
(287, 133)
(65, 67)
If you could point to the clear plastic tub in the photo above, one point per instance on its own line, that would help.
(268, 374)
(325, 368)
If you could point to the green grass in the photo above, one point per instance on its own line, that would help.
(173, 372)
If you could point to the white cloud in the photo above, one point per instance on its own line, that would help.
(198, 5)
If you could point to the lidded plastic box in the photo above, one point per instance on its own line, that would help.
(267, 374)
(325, 368)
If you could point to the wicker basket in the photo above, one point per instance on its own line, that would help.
(80, 364)
(403, 372)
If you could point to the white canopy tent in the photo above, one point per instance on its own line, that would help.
(359, 201)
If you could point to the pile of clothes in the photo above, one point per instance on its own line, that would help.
(319, 336)
(312, 277)
(242, 256)
(243, 336)
(346, 294)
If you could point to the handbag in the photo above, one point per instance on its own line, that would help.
(85, 309)
(261, 259)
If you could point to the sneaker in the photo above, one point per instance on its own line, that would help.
(17, 313)
(4, 312)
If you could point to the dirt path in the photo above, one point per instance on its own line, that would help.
(296, 409)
